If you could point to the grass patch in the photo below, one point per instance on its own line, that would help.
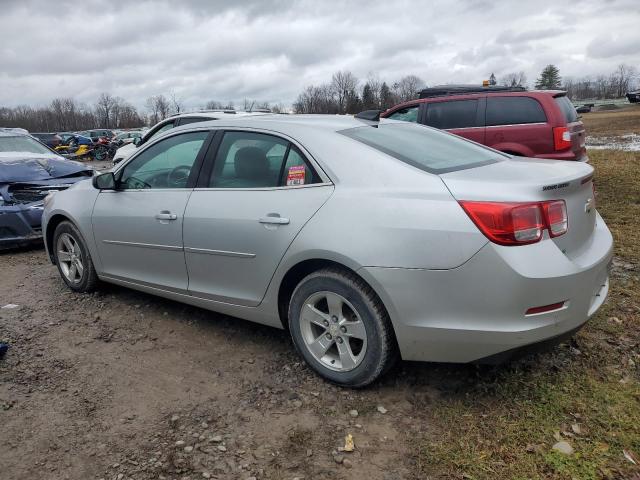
(505, 421)
(613, 123)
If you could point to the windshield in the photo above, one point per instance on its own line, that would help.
(425, 148)
(22, 144)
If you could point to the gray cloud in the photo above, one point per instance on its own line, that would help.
(272, 49)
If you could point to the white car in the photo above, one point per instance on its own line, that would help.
(178, 120)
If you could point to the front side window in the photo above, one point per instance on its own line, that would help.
(453, 114)
(513, 111)
(167, 164)
(424, 148)
(407, 114)
(257, 160)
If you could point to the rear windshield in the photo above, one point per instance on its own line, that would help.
(567, 109)
(425, 148)
(22, 144)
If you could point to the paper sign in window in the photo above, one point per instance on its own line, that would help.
(295, 175)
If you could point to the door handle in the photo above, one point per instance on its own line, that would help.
(165, 215)
(274, 219)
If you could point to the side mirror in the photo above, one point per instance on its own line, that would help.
(137, 141)
(105, 181)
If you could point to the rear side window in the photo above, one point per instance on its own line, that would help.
(513, 111)
(408, 114)
(424, 148)
(567, 109)
(455, 114)
(257, 160)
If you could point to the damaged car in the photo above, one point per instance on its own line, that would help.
(29, 171)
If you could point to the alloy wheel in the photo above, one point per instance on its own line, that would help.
(69, 256)
(333, 331)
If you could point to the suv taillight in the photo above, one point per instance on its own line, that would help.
(561, 138)
(518, 223)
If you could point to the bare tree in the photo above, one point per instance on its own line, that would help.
(408, 87)
(514, 79)
(104, 108)
(158, 107)
(177, 104)
(213, 105)
(344, 85)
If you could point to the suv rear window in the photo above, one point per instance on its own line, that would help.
(514, 111)
(453, 114)
(424, 148)
(567, 109)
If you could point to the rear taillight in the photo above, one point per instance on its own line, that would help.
(518, 223)
(561, 138)
(556, 217)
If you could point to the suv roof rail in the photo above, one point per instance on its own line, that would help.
(446, 90)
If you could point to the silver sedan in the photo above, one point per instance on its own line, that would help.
(368, 240)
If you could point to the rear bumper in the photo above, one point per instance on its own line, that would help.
(20, 225)
(564, 156)
(478, 309)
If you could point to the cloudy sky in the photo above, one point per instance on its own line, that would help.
(271, 49)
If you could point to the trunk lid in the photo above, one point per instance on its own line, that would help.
(534, 180)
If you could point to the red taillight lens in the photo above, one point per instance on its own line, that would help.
(556, 217)
(561, 138)
(545, 308)
(507, 223)
(518, 223)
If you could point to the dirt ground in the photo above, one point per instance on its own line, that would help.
(123, 385)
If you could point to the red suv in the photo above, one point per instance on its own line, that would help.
(538, 123)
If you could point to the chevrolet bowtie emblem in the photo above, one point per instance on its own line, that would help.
(588, 206)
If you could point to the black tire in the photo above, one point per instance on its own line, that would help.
(89, 279)
(381, 350)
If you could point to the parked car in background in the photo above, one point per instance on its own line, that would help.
(537, 123)
(172, 122)
(126, 137)
(51, 140)
(29, 171)
(365, 239)
(95, 135)
(633, 97)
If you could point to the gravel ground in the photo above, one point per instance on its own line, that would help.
(119, 384)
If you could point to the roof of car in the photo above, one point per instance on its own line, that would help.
(279, 121)
(12, 132)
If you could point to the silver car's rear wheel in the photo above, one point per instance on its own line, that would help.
(341, 328)
(69, 254)
(333, 332)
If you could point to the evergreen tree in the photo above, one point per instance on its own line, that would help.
(368, 100)
(549, 78)
(492, 79)
(386, 97)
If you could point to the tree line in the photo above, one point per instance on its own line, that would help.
(344, 93)
(69, 115)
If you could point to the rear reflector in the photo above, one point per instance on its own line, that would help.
(545, 308)
(518, 223)
(561, 138)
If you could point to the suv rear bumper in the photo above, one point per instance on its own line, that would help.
(563, 156)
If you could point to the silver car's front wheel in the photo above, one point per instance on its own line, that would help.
(341, 328)
(73, 259)
(333, 331)
(69, 255)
